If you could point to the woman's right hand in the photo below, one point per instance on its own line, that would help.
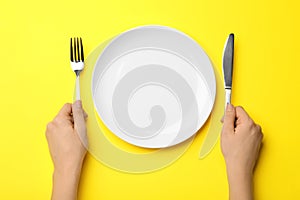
(240, 143)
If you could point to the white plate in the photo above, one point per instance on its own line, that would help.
(153, 86)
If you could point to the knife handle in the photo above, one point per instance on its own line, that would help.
(227, 96)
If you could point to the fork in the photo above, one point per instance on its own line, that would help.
(77, 61)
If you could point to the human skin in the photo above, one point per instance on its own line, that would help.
(240, 143)
(66, 136)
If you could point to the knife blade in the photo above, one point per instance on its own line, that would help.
(228, 66)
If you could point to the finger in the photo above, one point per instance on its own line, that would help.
(241, 113)
(78, 114)
(242, 116)
(229, 119)
(66, 110)
(79, 121)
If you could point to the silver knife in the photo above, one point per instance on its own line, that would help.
(228, 67)
(213, 132)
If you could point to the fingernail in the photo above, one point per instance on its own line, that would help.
(78, 104)
(229, 107)
(222, 119)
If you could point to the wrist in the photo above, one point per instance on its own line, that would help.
(67, 171)
(65, 182)
(68, 178)
(239, 173)
(238, 168)
(240, 183)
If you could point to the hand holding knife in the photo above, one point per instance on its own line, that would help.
(228, 67)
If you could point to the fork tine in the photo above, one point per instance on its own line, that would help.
(71, 51)
(81, 48)
(77, 49)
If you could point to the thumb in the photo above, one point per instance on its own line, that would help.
(229, 119)
(79, 121)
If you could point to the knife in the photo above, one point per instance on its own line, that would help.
(228, 67)
(214, 130)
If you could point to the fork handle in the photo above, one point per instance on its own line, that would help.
(77, 86)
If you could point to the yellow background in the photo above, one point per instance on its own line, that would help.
(36, 80)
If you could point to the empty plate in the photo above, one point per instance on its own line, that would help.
(153, 86)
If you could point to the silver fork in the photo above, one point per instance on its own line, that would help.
(77, 61)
